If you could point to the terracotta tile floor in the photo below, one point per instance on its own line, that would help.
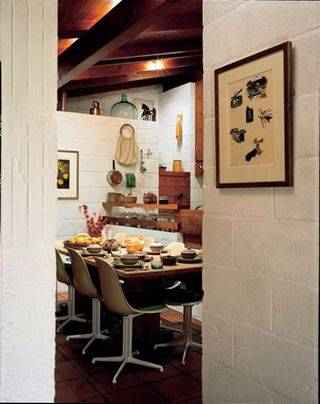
(77, 380)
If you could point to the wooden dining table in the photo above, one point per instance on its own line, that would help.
(147, 282)
(168, 271)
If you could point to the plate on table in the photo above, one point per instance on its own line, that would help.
(74, 246)
(194, 260)
(97, 254)
(149, 252)
(119, 265)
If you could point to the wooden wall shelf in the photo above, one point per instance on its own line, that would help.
(145, 224)
(170, 206)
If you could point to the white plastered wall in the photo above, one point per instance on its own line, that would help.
(180, 100)
(260, 318)
(95, 138)
(168, 104)
(27, 263)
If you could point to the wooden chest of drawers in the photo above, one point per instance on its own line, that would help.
(176, 186)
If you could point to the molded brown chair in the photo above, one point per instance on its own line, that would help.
(115, 301)
(84, 285)
(63, 276)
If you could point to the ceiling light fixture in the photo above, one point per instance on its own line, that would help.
(155, 65)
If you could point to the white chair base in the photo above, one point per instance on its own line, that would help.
(71, 316)
(186, 340)
(96, 332)
(127, 355)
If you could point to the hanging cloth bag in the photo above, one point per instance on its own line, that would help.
(127, 150)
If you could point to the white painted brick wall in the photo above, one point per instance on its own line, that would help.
(240, 296)
(281, 365)
(224, 385)
(27, 262)
(300, 322)
(261, 246)
(220, 340)
(282, 249)
(176, 101)
(95, 138)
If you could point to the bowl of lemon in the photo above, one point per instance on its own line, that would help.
(81, 241)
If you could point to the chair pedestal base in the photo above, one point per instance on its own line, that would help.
(96, 332)
(186, 340)
(127, 355)
(71, 316)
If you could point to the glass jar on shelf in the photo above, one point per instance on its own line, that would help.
(124, 109)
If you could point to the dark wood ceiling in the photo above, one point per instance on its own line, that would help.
(104, 45)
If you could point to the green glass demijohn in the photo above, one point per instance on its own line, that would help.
(124, 109)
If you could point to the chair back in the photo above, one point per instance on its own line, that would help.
(176, 248)
(62, 274)
(111, 290)
(81, 275)
(147, 242)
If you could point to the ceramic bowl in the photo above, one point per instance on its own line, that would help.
(188, 253)
(94, 248)
(129, 259)
(156, 247)
(169, 260)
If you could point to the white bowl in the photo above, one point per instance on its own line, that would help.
(156, 247)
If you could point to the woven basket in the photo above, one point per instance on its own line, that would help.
(128, 199)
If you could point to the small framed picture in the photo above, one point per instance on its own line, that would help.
(253, 120)
(68, 174)
(145, 109)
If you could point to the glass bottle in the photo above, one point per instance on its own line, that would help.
(124, 109)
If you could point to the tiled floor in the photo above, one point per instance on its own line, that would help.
(77, 380)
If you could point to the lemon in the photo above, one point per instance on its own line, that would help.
(83, 235)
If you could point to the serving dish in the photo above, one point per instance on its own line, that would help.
(120, 265)
(156, 247)
(194, 260)
(169, 260)
(129, 259)
(97, 254)
(149, 252)
(188, 253)
(94, 248)
(74, 246)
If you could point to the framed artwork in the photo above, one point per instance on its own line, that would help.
(68, 174)
(253, 120)
(145, 109)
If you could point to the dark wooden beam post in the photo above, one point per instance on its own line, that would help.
(62, 101)
(108, 34)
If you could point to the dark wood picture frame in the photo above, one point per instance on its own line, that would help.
(68, 174)
(253, 120)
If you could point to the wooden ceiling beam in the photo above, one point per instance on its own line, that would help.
(113, 87)
(73, 29)
(104, 81)
(128, 60)
(177, 22)
(135, 67)
(109, 34)
(153, 50)
(167, 83)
